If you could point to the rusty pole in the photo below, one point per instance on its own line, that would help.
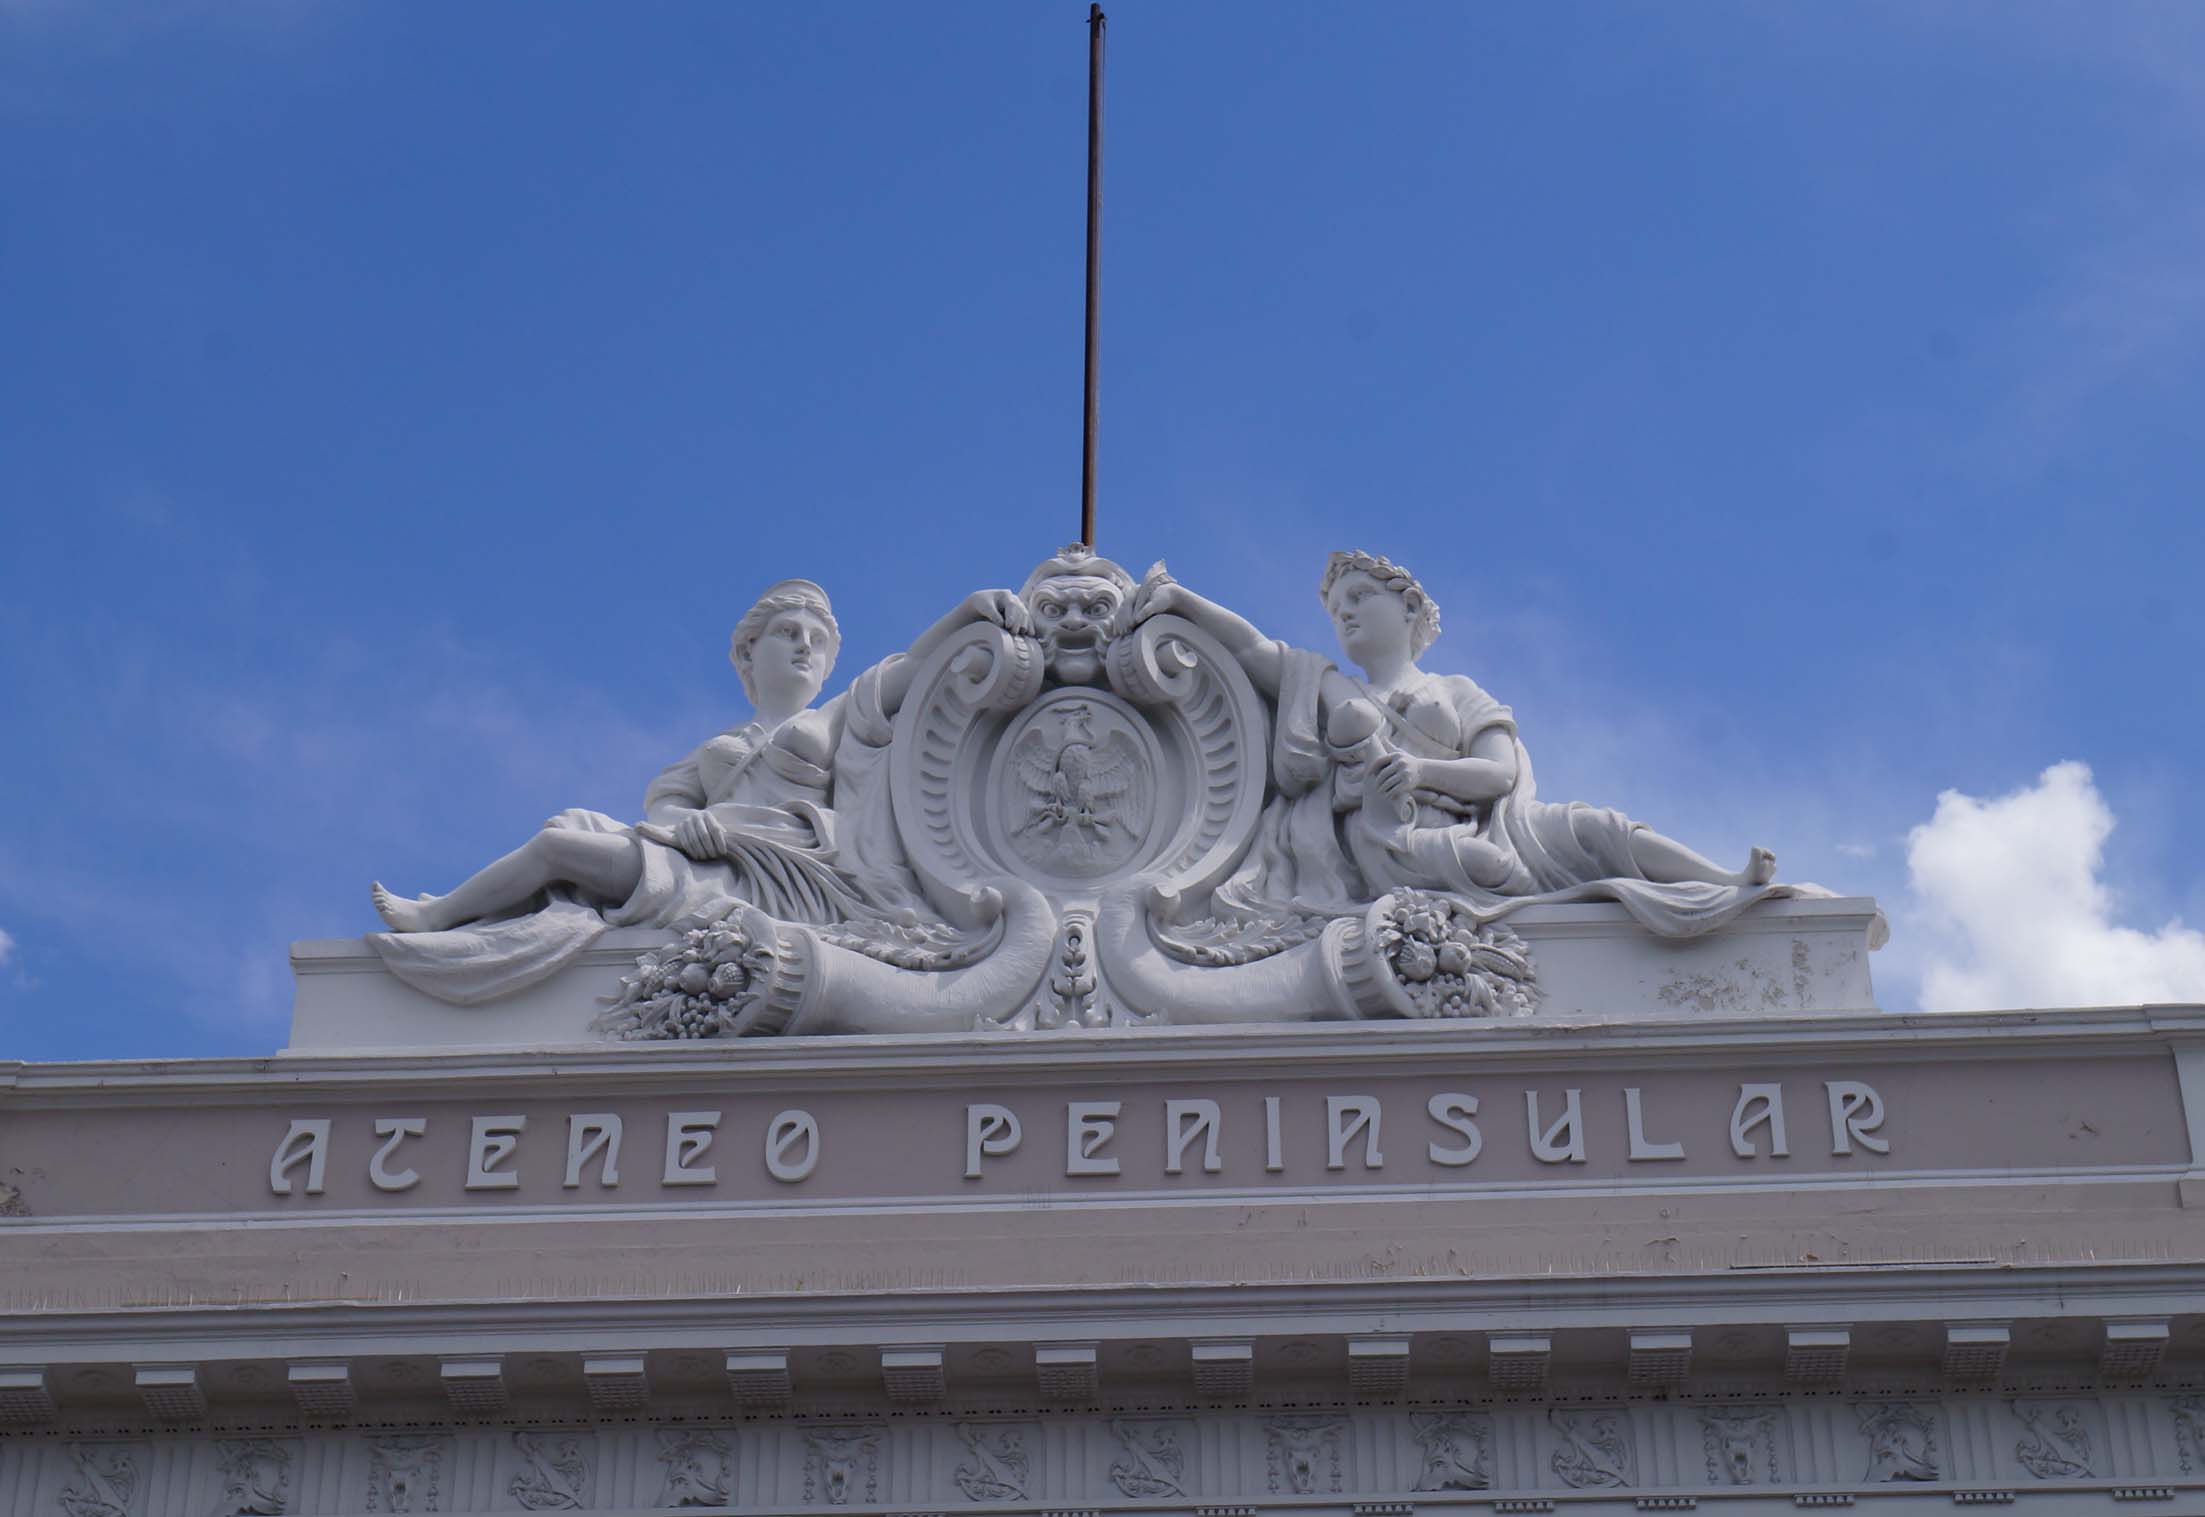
(1096, 23)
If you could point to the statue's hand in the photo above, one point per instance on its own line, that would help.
(1003, 608)
(1398, 775)
(700, 835)
(1157, 598)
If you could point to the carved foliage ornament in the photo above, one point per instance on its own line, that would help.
(1445, 963)
(709, 983)
(1154, 1460)
(2055, 1442)
(998, 1460)
(553, 1473)
(1593, 1448)
(1067, 996)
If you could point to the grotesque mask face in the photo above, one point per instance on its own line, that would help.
(792, 657)
(1075, 616)
(1373, 623)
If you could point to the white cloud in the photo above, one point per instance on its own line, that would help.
(7, 947)
(2017, 915)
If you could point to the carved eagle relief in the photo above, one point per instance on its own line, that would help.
(1083, 802)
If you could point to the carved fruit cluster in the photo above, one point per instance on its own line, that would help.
(1451, 966)
(699, 987)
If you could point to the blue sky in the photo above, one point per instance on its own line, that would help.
(1795, 410)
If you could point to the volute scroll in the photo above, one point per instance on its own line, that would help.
(1157, 662)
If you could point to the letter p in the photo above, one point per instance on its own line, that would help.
(990, 1133)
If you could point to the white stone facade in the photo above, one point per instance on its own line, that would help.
(1972, 1275)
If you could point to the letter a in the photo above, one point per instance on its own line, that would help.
(1744, 1119)
(307, 1142)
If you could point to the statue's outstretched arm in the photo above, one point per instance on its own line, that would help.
(1002, 607)
(1264, 658)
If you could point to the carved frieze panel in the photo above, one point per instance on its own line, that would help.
(1456, 1451)
(552, 1471)
(1151, 1461)
(1901, 1439)
(1739, 1445)
(406, 1473)
(998, 1463)
(842, 1464)
(1215, 1459)
(104, 1480)
(1303, 1454)
(1593, 1448)
(2056, 1442)
(256, 1476)
(699, 1464)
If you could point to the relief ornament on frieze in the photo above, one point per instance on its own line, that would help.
(700, 1466)
(1154, 1459)
(256, 1477)
(553, 1472)
(2055, 1443)
(1457, 1451)
(105, 1480)
(1739, 1444)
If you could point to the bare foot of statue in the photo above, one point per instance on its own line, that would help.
(1667, 862)
(404, 915)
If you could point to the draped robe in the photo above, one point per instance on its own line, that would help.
(805, 843)
(1324, 846)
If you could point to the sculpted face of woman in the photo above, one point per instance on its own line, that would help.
(791, 658)
(1372, 622)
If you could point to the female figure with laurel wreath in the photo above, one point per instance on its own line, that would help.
(1409, 779)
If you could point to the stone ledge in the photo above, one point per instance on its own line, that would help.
(1595, 965)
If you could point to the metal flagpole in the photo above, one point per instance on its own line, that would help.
(1096, 24)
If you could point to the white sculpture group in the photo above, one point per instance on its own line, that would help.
(1090, 801)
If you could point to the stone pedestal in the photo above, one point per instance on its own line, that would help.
(1595, 965)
